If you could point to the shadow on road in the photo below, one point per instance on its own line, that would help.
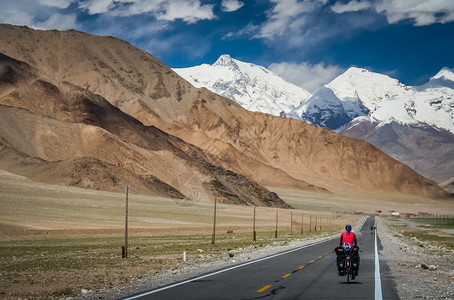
(351, 282)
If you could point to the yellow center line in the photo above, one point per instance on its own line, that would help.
(287, 275)
(264, 288)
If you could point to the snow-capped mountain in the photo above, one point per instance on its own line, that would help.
(325, 109)
(446, 74)
(252, 86)
(413, 124)
(355, 93)
(359, 92)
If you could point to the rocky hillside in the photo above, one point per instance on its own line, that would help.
(271, 150)
(65, 134)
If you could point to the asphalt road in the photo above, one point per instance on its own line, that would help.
(305, 273)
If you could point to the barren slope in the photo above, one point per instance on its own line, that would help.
(427, 150)
(66, 134)
(271, 150)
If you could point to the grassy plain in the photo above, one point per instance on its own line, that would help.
(56, 241)
(438, 230)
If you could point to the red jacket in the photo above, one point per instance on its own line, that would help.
(348, 237)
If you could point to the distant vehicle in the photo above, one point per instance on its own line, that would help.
(396, 214)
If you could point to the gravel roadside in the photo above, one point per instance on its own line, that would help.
(420, 270)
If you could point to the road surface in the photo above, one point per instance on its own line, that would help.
(308, 272)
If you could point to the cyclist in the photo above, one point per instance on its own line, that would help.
(350, 237)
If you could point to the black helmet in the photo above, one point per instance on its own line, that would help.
(348, 228)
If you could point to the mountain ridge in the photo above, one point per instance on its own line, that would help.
(359, 95)
(359, 92)
(252, 86)
(267, 149)
(68, 135)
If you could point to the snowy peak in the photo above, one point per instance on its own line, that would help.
(357, 92)
(360, 92)
(445, 73)
(443, 79)
(368, 87)
(252, 86)
(225, 61)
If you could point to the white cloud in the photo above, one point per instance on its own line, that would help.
(37, 15)
(231, 5)
(288, 14)
(249, 30)
(56, 3)
(58, 21)
(308, 76)
(188, 11)
(96, 6)
(422, 12)
(350, 6)
(15, 15)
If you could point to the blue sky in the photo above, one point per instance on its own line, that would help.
(306, 42)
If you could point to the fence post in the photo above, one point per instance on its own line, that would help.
(291, 222)
(125, 248)
(213, 237)
(310, 223)
(277, 216)
(302, 222)
(254, 233)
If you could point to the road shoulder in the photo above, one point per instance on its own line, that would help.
(405, 258)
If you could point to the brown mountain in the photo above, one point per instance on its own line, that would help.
(65, 134)
(427, 150)
(271, 150)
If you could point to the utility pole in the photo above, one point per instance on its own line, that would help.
(254, 233)
(125, 248)
(213, 237)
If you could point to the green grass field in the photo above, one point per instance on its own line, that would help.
(438, 232)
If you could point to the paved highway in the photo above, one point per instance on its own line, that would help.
(308, 272)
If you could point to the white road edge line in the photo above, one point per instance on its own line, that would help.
(378, 293)
(223, 270)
